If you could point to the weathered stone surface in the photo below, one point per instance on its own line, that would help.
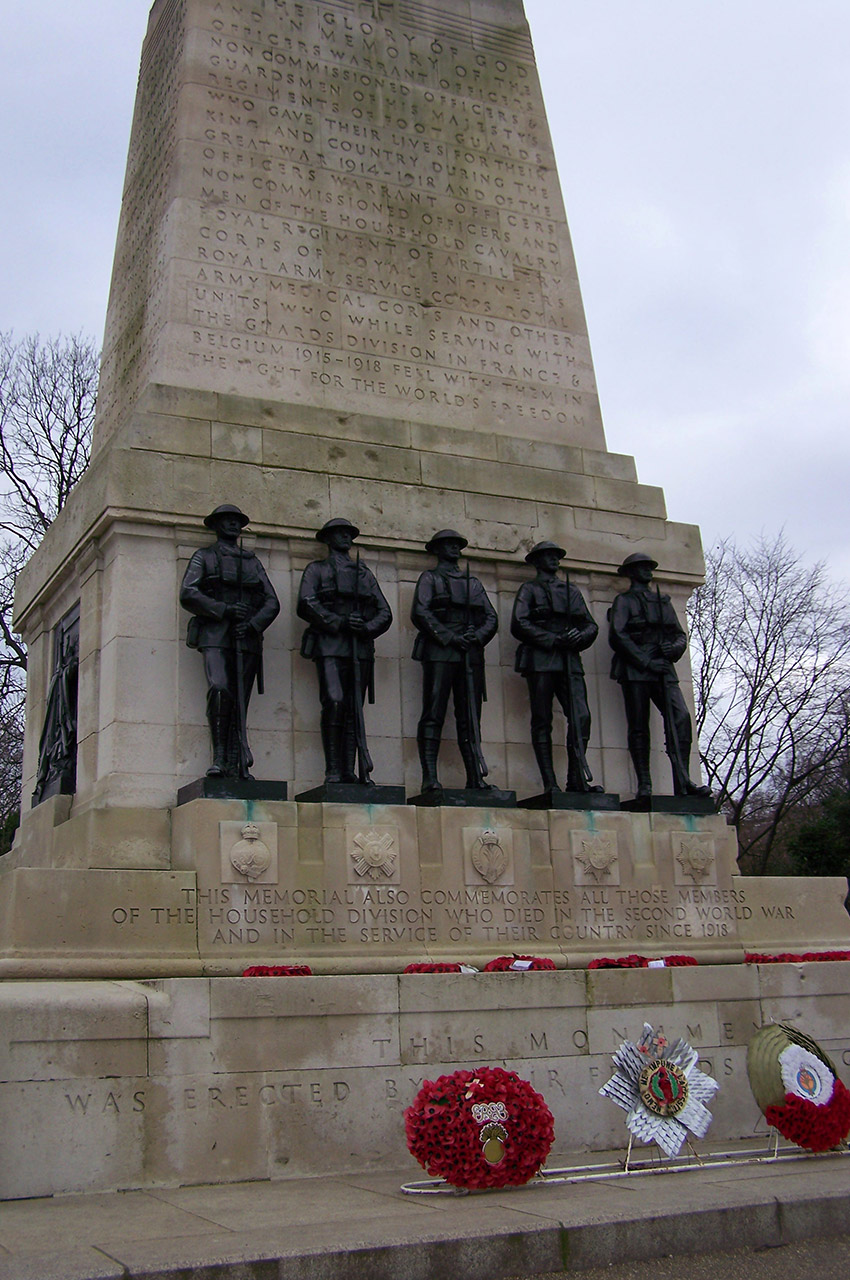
(81, 921)
(359, 888)
(187, 1080)
(781, 911)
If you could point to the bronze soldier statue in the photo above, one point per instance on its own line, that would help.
(233, 602)
(647, 640)
(346, 611)
(57, 746)
(553, 625)
(455, 620)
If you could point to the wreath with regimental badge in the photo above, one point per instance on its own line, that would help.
(480, 1129)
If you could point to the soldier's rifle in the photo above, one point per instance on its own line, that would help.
(364, 760)
(575, 746)
(680, 771)
(469, 677)
(241, 708)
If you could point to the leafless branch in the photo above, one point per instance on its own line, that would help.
(770, 644)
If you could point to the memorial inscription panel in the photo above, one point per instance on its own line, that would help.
(407, 882)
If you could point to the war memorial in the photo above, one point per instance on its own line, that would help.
(349, 457)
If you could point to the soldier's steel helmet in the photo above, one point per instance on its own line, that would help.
(632, 561)
(226, 509)
(541, 548)
(446, 535)
(337, 523)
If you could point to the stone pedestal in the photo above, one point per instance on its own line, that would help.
(131, 1084)
(571, 800)
(352, 793)
(466, 798)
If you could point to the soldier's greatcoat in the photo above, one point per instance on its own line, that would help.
(639, 622)
(544, 608)
(212, 582)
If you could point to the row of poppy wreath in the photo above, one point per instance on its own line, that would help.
(526, 964)
(502, 964)
(788, 957)
(487, 1128)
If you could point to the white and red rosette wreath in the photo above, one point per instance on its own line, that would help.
(796, 1086)
(480, 1129)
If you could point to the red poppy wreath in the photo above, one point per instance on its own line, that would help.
(480, 1129)
(517, 964)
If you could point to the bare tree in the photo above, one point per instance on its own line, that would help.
(47, 401)
(770, 643)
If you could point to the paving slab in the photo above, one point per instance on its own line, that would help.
(362, 1227)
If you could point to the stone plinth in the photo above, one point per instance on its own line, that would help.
(229, 1079)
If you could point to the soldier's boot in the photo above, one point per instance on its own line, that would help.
(332, 743)
(429, 750)
(639, 752)
(682, 785)
(474, 775)
(237, 766)
(218, 717)
(542, 745)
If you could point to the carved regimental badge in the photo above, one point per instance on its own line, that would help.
(489, 858)
(374, 857)
(250, 856)
(248, 852)
(488, 855)
(596, 855)
(695, 856)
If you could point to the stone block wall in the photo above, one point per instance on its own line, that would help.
(220, 1080)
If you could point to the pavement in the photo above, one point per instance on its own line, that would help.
(362, 1227)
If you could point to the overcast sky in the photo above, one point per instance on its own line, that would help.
(704, 153)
